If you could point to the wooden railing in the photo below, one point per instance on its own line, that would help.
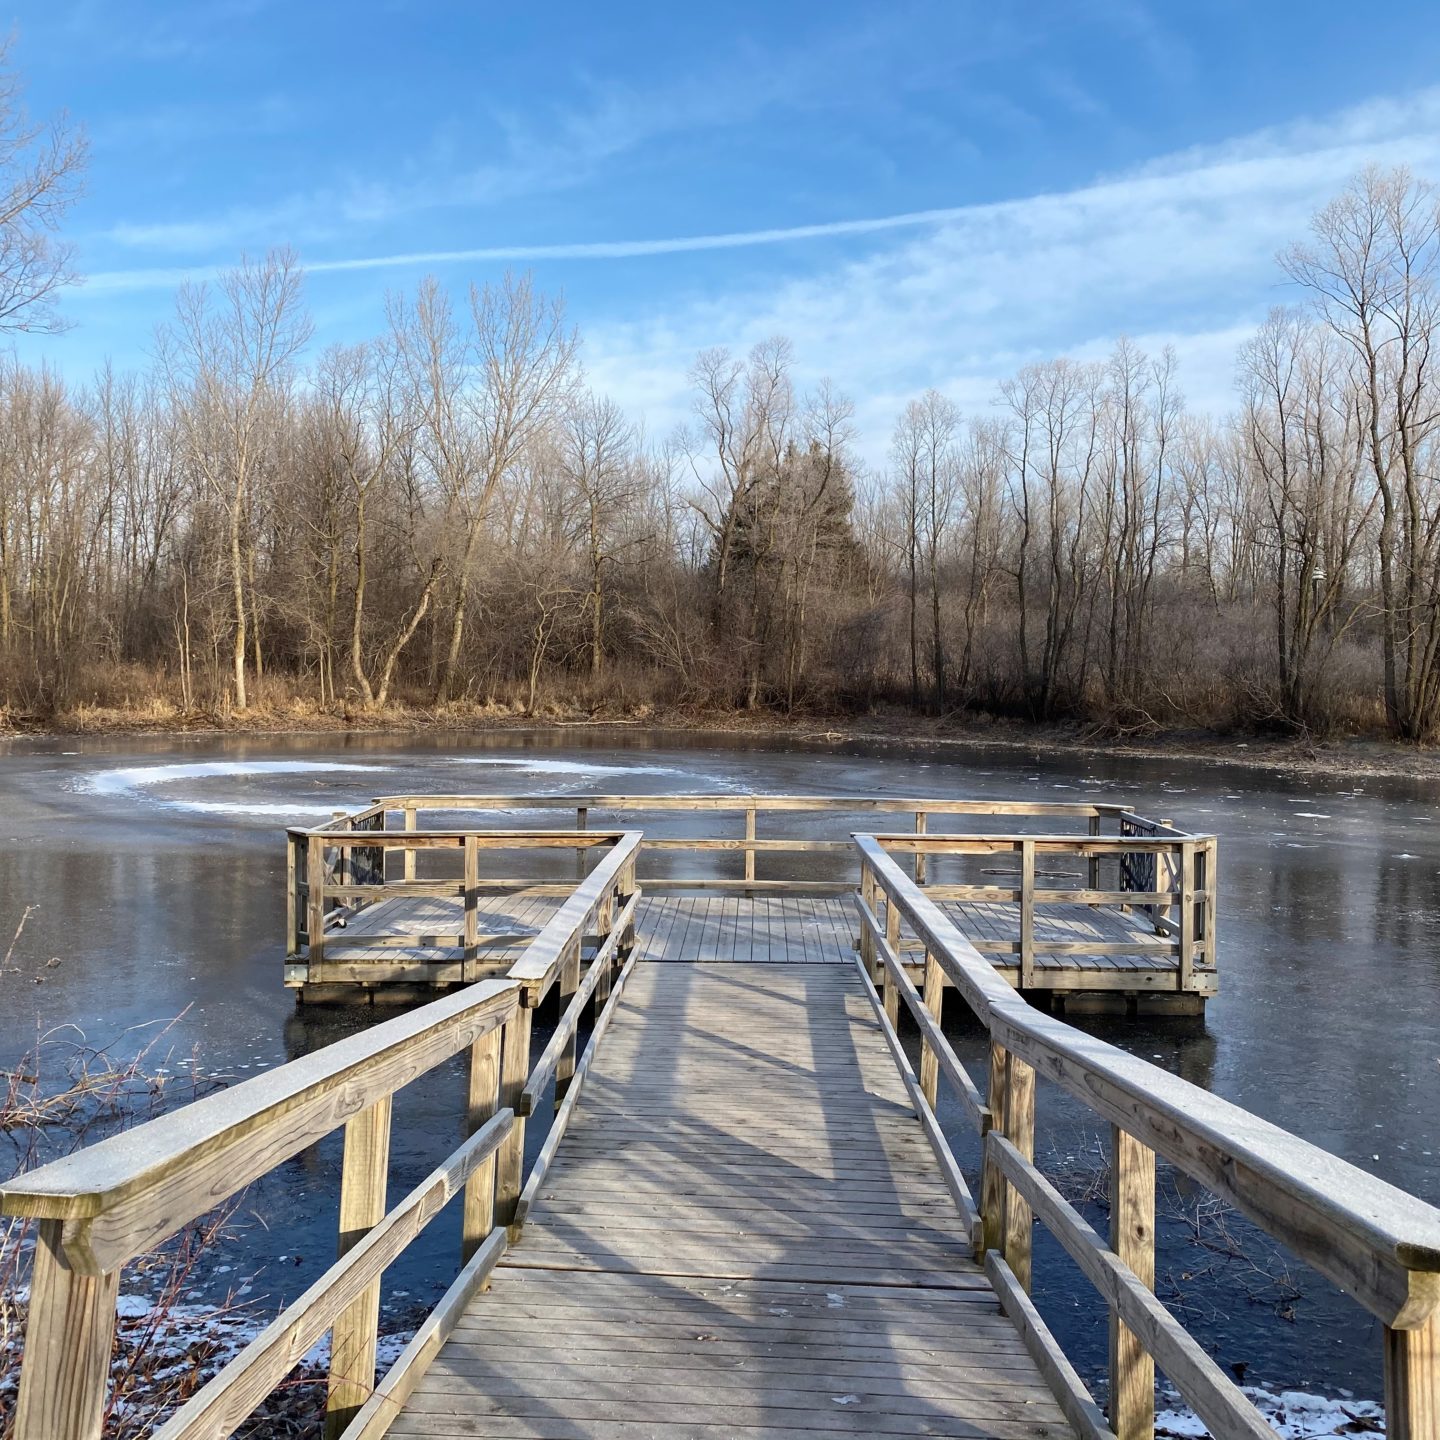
(117, 1200)
(1379, 1244)
(1180, 901)
(350, 857)
(400, 817)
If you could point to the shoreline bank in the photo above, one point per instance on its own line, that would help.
(898, 729)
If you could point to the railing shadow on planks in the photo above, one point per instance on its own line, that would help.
(102, 1207)
(403, 895)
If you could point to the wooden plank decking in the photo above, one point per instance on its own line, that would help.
(744, 1232)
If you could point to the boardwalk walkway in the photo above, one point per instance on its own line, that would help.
(744, 1233)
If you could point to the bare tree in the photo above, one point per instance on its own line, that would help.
(42, 167)
(1372, 266)
(229, 357)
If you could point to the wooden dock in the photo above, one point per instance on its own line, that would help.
(1088, 918)
(744, 1216)
(743, 1231)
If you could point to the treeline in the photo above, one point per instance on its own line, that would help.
(447, 516)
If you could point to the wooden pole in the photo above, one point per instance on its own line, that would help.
(569, 983)
(481, 1103)
(65, 1368)
(472, 904)
(1094, 859)
(1132, 1238)
(514, 1071)
(750, 849)
(935, 1004)
(867, 940)
(1020, 1131)
(409, 854)
(1412, 1382)
(1186, 938)
(364, 1180)
(892, 939)
(992, 1182)
(921, 825)
(315, 906)
(1027, 918)
(292, 896)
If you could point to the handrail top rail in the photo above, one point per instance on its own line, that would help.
(78, 1186)
(1299, 1193)
(740, 802)
(1108, 842)
(364, 838)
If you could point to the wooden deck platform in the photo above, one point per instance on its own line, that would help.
(744, 1231)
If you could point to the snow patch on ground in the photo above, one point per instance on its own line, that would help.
(1294, 1414)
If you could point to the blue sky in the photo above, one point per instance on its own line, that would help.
(1047, 175)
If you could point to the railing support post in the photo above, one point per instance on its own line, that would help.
(1094, 859)
(1186, 937)
(315, 898)
(750, 849)
(292, 896)
(1020, 1132)
(482, 1101)
(935, 1003)
(65, 1369)
(514, 1071)
(867, 940)
(921, 869)
(992, 1182)
(1027, 917)
(364, 1181)
(409, 853)
(471, 938)
(1207, 906)
(568, 983)
(1412, 1382)
(1132, 1238)
(891, 993)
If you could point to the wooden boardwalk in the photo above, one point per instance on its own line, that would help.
(744, 1232)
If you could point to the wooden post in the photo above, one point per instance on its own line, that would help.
(921, 869)
(569, 983)
(514, 1071)
(292, 896)
(935, 1004)
(1207, 906)
(1020, 1131)
(992, 1182)
(1094, 859)
(606, 912)
(472, 904)
(1412, 1382)
(65, 1367)
(867, 940)
(409, 854)
(1186, 938)
(892, 938)
(750, 849)
(1027, 917)
(1132, 1238)
(481, 1103)
(364, 1180)
(315, 901)
(582, 821)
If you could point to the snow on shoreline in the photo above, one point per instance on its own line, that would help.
(1293, 1414)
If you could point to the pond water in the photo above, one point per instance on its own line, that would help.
(154, 874)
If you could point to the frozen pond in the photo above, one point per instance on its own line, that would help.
(155, 873)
